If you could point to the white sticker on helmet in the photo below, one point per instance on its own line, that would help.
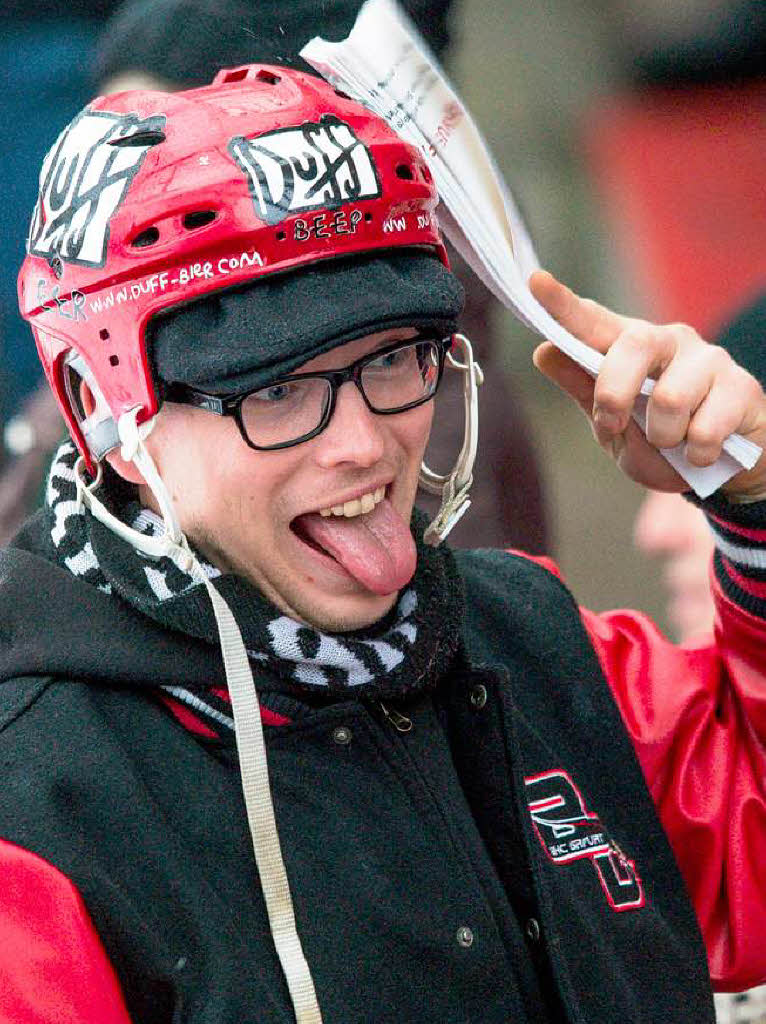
(84, 179)
(312, 166)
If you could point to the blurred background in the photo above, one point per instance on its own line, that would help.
(633, 136)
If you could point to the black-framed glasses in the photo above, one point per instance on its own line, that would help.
(297, 407)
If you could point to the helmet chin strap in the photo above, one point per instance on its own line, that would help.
(245, 707)
(454, 486)
(171, 543)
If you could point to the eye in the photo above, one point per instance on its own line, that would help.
(275, 393)
(390, 360)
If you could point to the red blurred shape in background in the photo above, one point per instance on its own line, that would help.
(684, 174)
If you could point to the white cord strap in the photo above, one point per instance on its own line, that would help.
(454, 487)
(260, 810)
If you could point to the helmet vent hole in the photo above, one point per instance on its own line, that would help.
(146, 238)
(236, 75)
(198, 219)
(72, 381)
(368, 216)
(404, 171)
(268, 77)
(103, 334)
(281, 236)
(150, 137)
(114, 360)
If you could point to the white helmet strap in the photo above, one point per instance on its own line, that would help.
(454, 486)
(171, 543)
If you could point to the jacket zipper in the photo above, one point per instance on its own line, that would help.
(399, 721)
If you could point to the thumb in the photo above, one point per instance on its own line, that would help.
(566, 374)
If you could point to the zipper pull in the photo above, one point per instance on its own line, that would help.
(399, 721)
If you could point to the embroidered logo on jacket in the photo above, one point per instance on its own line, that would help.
(568, 832)
(84, 179)
(312, 166)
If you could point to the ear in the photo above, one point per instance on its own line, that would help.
(121, 466)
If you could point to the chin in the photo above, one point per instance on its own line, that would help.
(342, 607)
(341, 616)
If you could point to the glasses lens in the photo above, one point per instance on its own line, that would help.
(399, 378)
(283, 413)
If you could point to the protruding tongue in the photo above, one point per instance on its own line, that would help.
(376, 548)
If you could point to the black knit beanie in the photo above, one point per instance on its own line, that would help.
(244, 338)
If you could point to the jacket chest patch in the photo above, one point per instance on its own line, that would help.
(569, 832)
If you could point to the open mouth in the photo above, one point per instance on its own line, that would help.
(365, 538)
(356, 507)
(306, 528)
(298, 527)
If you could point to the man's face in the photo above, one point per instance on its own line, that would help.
(246, 510)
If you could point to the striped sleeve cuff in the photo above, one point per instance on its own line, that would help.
(739, 532)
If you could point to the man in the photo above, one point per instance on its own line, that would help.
(240, 301)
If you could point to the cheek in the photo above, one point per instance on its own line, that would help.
(414, 428)
(193, 452)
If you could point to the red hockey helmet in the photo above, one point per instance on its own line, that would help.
(150, 200)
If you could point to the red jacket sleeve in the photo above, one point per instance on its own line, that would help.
(53, 968)
(697, 717)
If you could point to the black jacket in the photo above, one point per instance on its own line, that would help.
(501, 861)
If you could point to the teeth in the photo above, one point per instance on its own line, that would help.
(357, 506)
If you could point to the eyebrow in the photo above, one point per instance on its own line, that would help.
(381, 343)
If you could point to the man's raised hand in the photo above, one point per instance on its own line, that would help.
(701, 395)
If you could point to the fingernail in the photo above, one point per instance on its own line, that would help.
(616, 446)
(605, 420)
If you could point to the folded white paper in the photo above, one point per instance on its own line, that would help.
(386, 65)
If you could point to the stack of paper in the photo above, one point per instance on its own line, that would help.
(385, 64)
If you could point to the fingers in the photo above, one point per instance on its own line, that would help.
(638, 351)
(566, 374)
(588, 321)
(680, 391)
(700, 395)
(728, 406)
(630, 449)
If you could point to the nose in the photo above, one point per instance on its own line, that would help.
(353, 435)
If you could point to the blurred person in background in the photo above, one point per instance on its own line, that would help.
(46, 70)
(669, 528)
(690, 42)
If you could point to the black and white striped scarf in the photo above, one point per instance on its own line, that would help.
(404, 653)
